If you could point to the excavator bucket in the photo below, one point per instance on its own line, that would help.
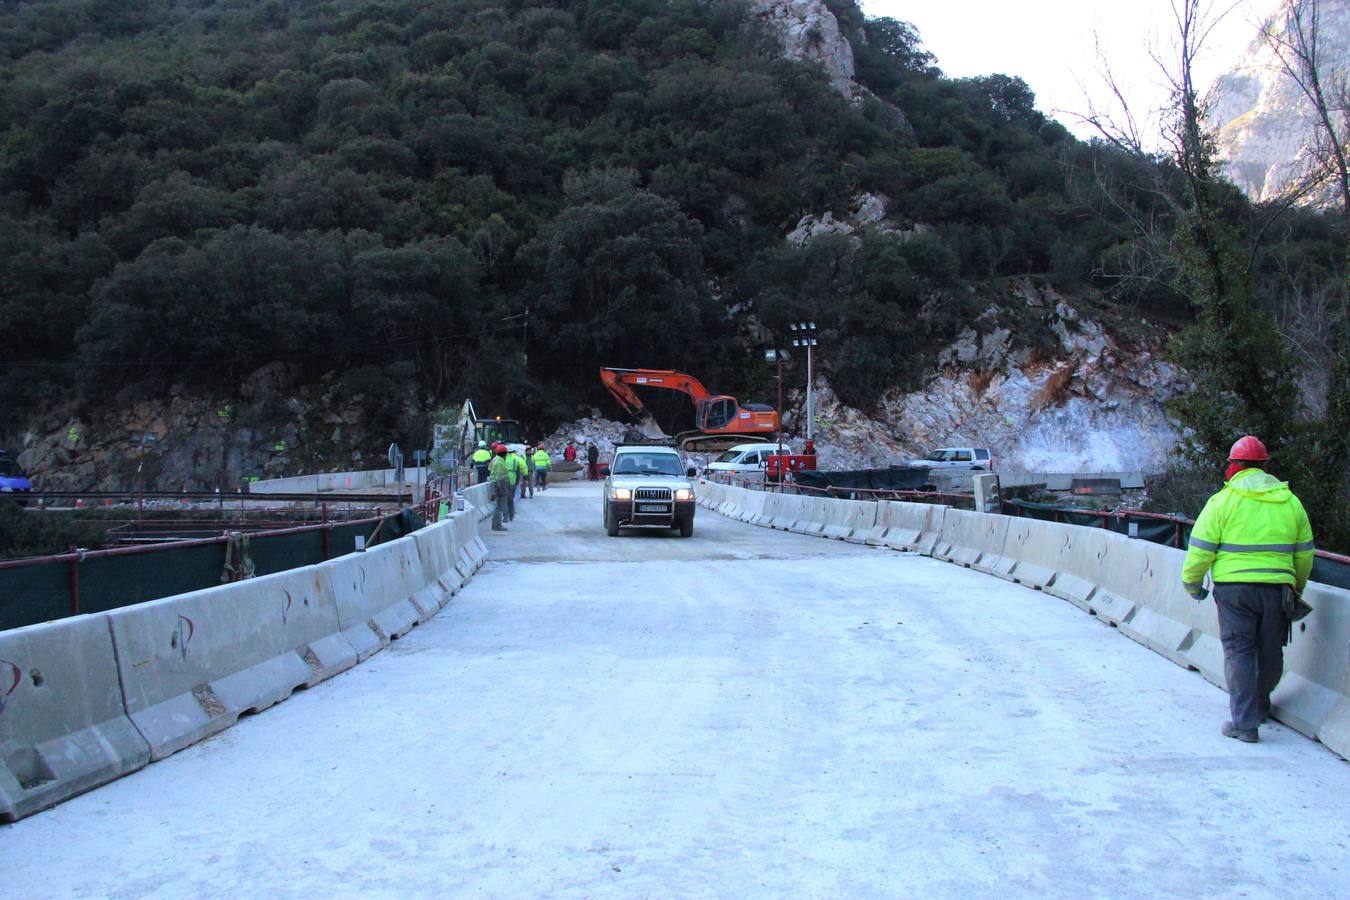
(647, 425)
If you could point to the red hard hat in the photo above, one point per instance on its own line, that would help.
(1249, 449)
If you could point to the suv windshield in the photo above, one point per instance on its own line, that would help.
(647, 464)
(729, 456)
(937, 456)
(8, 467)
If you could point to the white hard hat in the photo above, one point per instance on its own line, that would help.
(482, 443)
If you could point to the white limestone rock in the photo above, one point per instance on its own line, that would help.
(809, 31)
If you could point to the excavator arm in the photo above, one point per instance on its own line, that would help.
(726, 422)
(618, 381)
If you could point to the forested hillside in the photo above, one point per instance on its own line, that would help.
(490, 198)
(493, 197)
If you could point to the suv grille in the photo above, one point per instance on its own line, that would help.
(652, 494)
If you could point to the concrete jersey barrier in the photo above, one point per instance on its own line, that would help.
(907, 526)
(479, 497)
(849, 520)
(791, 508)
(772, 504)
(437, 547)
(190, 665)
(470, 547)
(1314, 696)
(373, 604)
(63, 723)
(973, 540)
(813, 516)
(752, 505)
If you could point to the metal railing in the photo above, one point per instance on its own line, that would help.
(1179, 523)
(764, 483)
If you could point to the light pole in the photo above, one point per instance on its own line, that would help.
(776, 357)
(804, 335)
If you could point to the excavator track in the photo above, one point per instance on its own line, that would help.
(700, 442)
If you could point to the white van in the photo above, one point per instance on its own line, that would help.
(745, 459)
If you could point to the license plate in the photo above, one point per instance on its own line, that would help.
(652, 507)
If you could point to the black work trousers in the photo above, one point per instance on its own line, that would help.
(1252, 627)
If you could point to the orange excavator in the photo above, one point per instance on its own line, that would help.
(719, 421)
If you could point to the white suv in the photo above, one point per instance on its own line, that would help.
(973, 458)
(649, 485)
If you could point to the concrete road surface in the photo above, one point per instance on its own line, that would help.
(742, 713)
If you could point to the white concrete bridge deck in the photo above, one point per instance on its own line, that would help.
(743, 713)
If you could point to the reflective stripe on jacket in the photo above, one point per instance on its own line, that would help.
(1254, 530)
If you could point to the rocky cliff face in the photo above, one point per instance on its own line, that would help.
(1092, 405)
(1266, 126)
(1089, 402)
(811, 32)
(273, 428)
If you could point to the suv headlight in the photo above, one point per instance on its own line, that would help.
(623, 494)
(684, 494)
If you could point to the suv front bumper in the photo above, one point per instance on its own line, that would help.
(653, 512)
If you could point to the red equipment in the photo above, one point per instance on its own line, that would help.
(792, 462)
(1249, 449)
(718, 419)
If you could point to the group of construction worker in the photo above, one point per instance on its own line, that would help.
(509, 470)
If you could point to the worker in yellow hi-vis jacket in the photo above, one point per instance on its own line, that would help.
(1254, 539)
(499, 470)
(542, 461)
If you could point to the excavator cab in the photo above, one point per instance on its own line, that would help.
(717, 414)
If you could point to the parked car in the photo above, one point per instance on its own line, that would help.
(745, 459)
(14, 484)
(649, 486)
(972, 458)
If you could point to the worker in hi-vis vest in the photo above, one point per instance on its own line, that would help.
(481, 458)
(499, 470)
(541, 463)
(528, 484)
(1254, 540)
(517, 471)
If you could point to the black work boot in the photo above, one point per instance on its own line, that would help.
(1247, 736)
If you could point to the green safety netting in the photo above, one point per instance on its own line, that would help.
(42, 591)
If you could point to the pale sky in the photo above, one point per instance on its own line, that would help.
(1050, 45)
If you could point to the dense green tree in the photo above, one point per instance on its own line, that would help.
(624, 275)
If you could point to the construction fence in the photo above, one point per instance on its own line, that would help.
(42, 588)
